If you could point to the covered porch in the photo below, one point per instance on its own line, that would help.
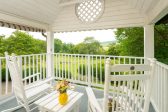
(82, 69)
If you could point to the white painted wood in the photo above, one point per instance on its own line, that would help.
(24, 94)
(92, 101)
(0, 78)
(64, 3)
(22, 21)
(50, 51)
(120, 15)
(44, 11)
(149, 41)
(127, 67)
(129, 77)
(106, 85)
(89, 72)
(159, 93)
(159, 11)
(50, 102)
(141, 91)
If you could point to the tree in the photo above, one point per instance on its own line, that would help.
(67, 48)
(113, 49)
(89, 46)
(22, 43)
(57, 45)
(61, 47)
(3, 45)
(161, 43)
(130, 41)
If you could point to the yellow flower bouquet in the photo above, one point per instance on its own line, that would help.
(62, 87)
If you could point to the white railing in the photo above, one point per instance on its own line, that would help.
(29, 64)
(87, 69)
(160, 88)
(5, 85)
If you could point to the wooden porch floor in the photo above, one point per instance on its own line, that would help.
(83, 105)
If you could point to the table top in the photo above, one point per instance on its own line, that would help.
(50, 101)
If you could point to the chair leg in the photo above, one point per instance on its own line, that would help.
(27, 107)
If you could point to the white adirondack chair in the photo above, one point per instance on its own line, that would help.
(25, 94)
(130, 93)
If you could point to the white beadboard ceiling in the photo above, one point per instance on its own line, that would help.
(60, 14)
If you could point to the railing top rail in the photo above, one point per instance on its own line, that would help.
(2, 58)
(32, 54)
(101, 55)
(26, 55)
(162, 64)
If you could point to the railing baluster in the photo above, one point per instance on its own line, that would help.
(89, 72)
(71, 68)
(62, 67)
(78, 68)
(0, 77)
(65, 66)
(25, 69)
(43, 66)
(92, 73)
(68, 67)
(6, 87)
(59, 66)
(75, 67)
(96, 70)
(82, 64)
(29, 68)
(40, 67)
(37, 69)
(101, 81)
(33, 68)
(56, 65)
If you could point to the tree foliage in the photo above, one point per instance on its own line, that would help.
(161, 43)
(131, 42)
(61, 47)
(89, 46)
(113, 49)
(21, 43)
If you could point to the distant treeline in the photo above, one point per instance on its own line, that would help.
(129, 42)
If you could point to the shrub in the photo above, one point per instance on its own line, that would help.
(64, 74)
(100, 71)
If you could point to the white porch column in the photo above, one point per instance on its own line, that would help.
(50, 51)
(149, 41)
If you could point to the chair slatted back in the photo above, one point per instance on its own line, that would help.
(16, 78)
(130, 91)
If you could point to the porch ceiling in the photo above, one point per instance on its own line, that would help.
(59, 15)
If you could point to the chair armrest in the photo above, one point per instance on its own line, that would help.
(34, 75)
(48, 79)
(92, 99)
(41, 82)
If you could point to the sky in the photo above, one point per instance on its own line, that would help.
(70, 37)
